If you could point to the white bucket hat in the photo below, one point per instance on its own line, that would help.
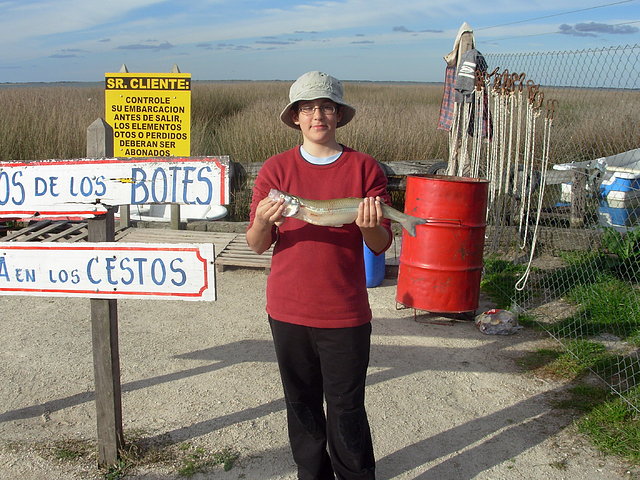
(314, 85)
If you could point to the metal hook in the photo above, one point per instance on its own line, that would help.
(505, 81)
(522, 77)
(497, 82)
(480, 76)
(537, 100)
(551, 108)
(533, 89)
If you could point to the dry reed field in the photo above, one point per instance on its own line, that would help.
(240, 119)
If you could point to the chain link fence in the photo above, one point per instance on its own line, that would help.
(563, 230)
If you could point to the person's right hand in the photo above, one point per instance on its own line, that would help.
(270, 211)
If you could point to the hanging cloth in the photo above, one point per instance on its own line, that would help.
(445, 119)
(471, 63)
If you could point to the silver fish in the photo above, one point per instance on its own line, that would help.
(338, 211)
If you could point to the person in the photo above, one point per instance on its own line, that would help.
(316, 296)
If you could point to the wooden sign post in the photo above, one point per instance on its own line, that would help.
(106, 358)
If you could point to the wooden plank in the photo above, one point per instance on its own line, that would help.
(48, 231)
(26, 230)
(74, 233)
(106, 358)
(220, 240)
(42, 231)
(395, 168)
(238, 254)
(106, 365)
(246, 173)
(70, 230)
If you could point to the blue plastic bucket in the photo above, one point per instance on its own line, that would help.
(374, 266)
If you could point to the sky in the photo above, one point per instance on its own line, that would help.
(365, 40)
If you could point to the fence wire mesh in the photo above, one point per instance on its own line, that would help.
(563, 229)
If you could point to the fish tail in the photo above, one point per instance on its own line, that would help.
(410, 223)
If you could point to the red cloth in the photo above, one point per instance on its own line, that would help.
(317, 276)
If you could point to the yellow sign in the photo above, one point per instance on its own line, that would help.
(150, 113)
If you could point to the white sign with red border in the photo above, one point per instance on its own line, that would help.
(83, 187)
(108, 270)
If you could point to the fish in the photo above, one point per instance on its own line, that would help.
(337, 212)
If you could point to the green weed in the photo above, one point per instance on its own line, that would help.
(614, 427)
(499, 279)
(70, 450)
(197, 460)
(609, 421)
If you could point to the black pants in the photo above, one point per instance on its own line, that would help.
(329, 362)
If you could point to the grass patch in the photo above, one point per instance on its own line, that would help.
(199, 460)
(583, 268)
(529, 321)
(70, 450)
(499, 280)
(609, 421)
(614, 427)
(607, 305)
(576, 358)
(584, 397)
(539, 359)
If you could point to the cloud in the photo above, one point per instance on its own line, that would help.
(273, 42)
(363, 42)
(231, 46)
(565, 29)
(68, 53)
(591, 29)
(145, 46)
(403, 29)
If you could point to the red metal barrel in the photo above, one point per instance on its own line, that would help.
(441, 267)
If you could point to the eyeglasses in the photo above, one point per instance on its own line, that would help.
(325, 109)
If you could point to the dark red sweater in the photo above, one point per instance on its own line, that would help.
(317, 273)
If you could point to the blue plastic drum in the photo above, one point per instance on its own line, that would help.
(374, 266)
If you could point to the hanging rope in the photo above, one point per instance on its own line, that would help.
(453, 141)
(533, 112)
(463, 154)
(546, 142)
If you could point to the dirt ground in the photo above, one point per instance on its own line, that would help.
(445, 401)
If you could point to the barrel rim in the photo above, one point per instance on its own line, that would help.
(448, 178)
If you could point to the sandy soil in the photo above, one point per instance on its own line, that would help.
(445, 401)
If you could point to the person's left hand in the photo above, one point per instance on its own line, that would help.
(369, 213)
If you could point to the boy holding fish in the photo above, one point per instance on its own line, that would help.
(317, 299)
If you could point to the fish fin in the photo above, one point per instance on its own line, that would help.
(410, 224)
